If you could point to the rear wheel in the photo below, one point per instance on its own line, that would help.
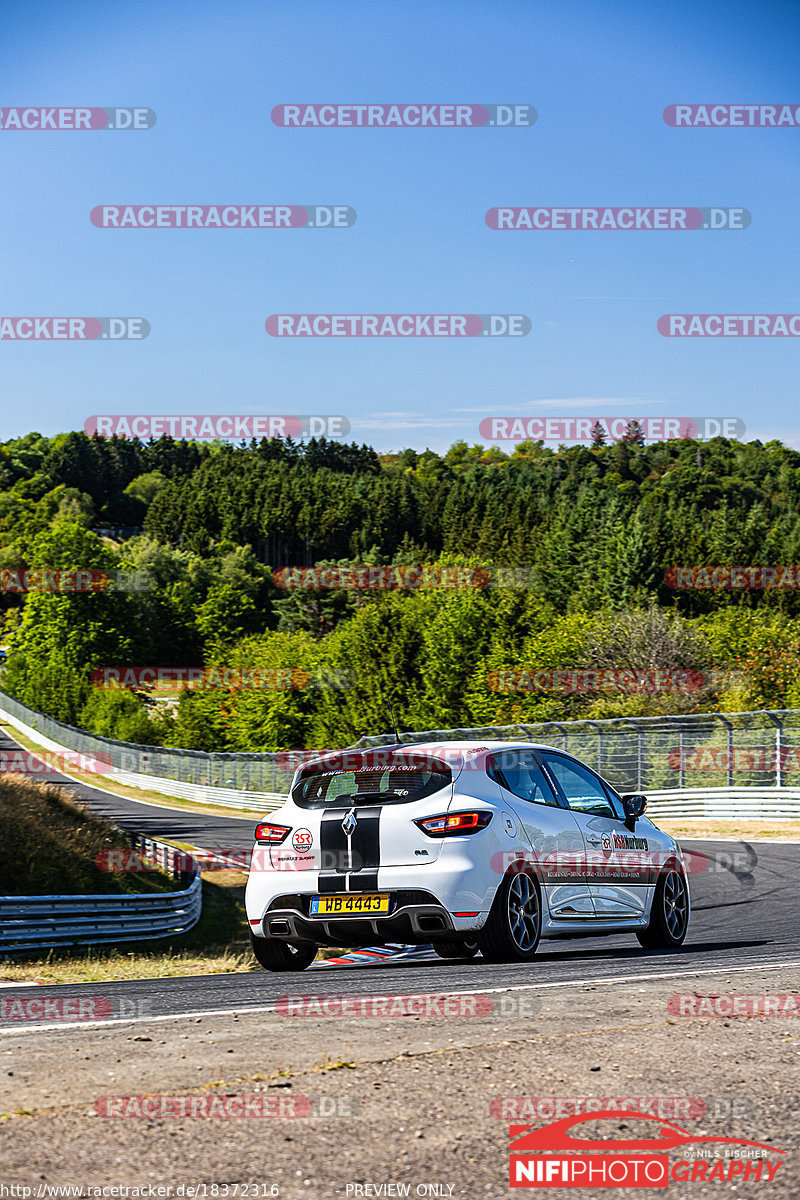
(275, 955)
(511, 933)
(467, 948)
(669, 914)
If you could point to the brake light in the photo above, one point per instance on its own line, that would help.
(272, 835)
(453, 824)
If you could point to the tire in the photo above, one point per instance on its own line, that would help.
(275, 955)
(514, 925)
(467, 948)
(669, 913)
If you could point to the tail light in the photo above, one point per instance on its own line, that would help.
(454, 824)
(272, 835)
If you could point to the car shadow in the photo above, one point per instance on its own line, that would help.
(620, 953)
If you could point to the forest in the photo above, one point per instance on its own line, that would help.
(310, 585)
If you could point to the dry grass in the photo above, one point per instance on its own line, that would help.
(98, 966)
(49, 844)
(760, 830)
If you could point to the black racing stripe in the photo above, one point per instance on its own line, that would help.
(366, 842)
(349, 864)
(331, 883)
(333, 842)
(363, 881)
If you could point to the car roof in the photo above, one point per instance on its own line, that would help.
(474, 745)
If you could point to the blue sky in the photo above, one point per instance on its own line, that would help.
(599, 75)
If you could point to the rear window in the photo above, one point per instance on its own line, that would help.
(370, 783)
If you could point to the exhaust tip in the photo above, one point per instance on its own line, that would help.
(432, 924)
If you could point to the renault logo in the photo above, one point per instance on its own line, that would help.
(349, 823)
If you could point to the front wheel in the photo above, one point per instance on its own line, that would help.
(467, 948)
(514, 925)
(275, 955)
(669, 914)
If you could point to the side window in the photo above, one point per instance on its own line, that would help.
(583, 790)
(519, 772)
(616, 800)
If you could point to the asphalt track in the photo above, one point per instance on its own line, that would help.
(744, 897)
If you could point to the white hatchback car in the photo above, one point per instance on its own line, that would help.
(468, 847)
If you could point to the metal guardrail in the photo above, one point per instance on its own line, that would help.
(67, 761)
(43, 922)
(689, 752)
(725, 804)
(266, 772)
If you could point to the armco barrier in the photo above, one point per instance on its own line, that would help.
(40, 922)
(698, 754)
(260, 775)
(725, 804)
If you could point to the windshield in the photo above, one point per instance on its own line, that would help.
(392, 783)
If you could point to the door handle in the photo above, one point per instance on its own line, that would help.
(595, 841)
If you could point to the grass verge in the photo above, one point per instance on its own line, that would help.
(758, 830)
(51, 845)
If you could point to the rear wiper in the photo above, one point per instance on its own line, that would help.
(360, 797)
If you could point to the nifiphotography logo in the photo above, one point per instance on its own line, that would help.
(553, 1156)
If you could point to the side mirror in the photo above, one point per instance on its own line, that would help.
(634, 806)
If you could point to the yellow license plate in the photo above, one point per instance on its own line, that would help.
(356, 905)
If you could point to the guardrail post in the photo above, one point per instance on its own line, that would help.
(729, 727)
(778, 746)
(639, 752)
(563, 732)
(682, 745)
(599, 746)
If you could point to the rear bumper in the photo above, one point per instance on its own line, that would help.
(276, 907)
(415, 919)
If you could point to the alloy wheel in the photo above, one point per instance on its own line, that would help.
(523, 911)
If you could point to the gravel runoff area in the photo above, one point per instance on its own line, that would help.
(400, 1101)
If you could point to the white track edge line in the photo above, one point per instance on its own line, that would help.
(240, 1011)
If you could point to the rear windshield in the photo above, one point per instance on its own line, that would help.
(390, 784)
